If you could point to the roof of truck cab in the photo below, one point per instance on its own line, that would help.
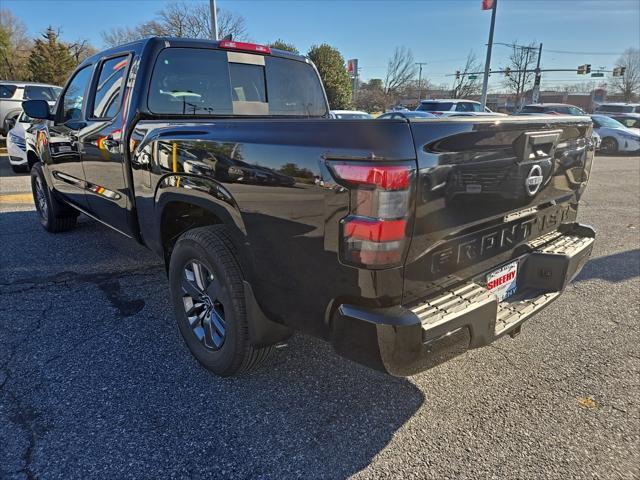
(139, 45)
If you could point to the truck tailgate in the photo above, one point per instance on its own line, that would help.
(485, 188)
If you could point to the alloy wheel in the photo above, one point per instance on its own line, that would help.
(202, 304)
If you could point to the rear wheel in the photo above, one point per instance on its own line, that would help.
(208, 296)
(54, 215)
(609, 146)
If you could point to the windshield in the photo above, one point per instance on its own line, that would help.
(435, 106)
(602, 121)
(193, 81)
(616, 108)
(629, 122)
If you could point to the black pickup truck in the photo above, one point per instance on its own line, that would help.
(402, 242)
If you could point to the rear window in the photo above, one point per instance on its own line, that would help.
(33, 92)
(7, 91)
(435, 106)
(189, 81)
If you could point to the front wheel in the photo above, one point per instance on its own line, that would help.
(54, 216)
(208, 297)
(609, 146)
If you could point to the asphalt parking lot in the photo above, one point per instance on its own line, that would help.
(95, 381)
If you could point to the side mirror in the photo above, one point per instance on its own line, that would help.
(37, 109)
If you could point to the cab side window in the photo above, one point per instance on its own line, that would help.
(74, 95)
(106, 101)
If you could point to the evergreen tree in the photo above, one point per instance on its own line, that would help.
(282, 45)
(50, 60)
(333, 72)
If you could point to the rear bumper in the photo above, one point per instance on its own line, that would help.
(406, 340)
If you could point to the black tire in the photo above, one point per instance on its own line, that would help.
(609, 146)
(20, 168)
(228, 351)
(54, 215)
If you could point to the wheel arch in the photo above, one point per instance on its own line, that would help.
(180, 207)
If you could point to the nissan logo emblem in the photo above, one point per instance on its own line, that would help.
(533, 181)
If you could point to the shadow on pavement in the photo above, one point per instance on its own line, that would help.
(90, 389)
(616, 267)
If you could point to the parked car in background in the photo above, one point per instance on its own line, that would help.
(618, 107)
(629, 120)
(12, 94)
(452, 107)
(616, 138)
(550, 109)
(21, 144)
(406, 114)
(350, 114)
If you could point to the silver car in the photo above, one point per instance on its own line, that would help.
(616, 138)
(12, 94)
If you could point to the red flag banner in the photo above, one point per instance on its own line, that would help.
(487, 4)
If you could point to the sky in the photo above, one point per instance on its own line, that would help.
(439, 32)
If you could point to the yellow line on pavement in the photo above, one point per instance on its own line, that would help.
(16, 198)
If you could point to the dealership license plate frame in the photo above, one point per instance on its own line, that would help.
(509, 287)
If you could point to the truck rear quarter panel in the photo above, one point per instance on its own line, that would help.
(268, 180)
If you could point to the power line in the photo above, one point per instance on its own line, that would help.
(583, 53)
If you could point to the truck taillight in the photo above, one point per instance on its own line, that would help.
(375, 231)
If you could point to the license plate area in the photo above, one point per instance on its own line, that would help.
(502, 282)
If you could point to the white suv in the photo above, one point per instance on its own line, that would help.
(12, 95)
(454, 108)
(607, 108)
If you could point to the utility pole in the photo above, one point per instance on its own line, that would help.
(420, 64)
(487, 64)
(535, 96)
(214, 19)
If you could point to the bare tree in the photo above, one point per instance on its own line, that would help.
(401, 70)
(629, 84)
(180, 19)
(80, 50)
(467, 84)
(15, 46)
(522, 61)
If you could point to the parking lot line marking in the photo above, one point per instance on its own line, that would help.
(16, 198)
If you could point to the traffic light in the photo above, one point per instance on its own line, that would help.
(587, 68)
(582, 69)
(619, 71)
(507, 72)
(457, 74)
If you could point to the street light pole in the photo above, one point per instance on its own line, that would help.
(214, 19)
(535, 96)
(420, 64)
(487, 65)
